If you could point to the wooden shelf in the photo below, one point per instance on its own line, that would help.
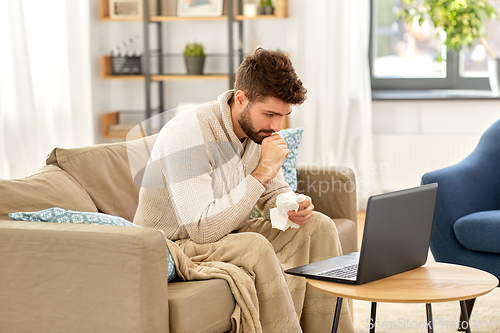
(122, 19)
(213, 18)
(281, 11)
(258, 17)
(106, 74)
(183, 77)
(108, 120)
(201, 18)
(179, 18)
(112, 130)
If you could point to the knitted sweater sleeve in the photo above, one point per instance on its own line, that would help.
(276, 186)
(208, 195)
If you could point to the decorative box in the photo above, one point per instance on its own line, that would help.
(126, 65)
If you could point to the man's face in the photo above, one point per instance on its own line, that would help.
(261, 119)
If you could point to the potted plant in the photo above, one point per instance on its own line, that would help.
(266, 7)
(462, 20)
(194, 58)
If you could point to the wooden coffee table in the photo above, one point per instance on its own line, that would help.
(431, 283)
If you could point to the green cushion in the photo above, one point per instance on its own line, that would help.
(60, 215)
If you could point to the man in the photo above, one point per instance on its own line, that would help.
(220, 159)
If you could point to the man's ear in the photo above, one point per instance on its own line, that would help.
(240, 98)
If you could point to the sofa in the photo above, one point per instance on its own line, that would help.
(69, 277)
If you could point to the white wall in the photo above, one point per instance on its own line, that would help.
(464, 117)
(414, 137)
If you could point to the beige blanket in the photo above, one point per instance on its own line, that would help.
(252, 262)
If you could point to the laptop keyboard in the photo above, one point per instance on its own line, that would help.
(345, 272)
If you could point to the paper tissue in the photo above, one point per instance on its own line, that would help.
(284, 203)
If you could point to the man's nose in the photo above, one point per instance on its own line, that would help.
(276, 124)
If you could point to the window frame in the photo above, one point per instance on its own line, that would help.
(452, 81)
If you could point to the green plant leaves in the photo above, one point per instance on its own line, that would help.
(462, 20)
(193, 50)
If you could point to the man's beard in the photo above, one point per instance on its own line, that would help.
(247, 127)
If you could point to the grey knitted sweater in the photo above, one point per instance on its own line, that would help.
(198, 183)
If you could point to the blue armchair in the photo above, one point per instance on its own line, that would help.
(466, 228)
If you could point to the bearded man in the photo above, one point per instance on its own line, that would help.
(218, 161)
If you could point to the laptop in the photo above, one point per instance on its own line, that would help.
(395, 239)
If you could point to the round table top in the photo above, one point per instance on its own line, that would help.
(431, 283)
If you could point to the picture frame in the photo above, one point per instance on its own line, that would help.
(125, 8)
(198, 8)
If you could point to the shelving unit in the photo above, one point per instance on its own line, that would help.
(111, 128)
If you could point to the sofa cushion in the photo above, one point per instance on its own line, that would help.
(479, 231)
(47, 187)
(107, 172)
(200, 306)
(59, 215)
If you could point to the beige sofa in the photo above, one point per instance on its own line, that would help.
(60, 277)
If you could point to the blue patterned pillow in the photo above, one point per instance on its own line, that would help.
(292, 136)
(59, 215)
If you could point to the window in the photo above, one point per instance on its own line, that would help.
(403, 57)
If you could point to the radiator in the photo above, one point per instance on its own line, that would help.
(402, 159)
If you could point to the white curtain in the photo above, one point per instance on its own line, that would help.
(331, 57)
(45, 90)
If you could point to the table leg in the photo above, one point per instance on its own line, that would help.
(470, 305)
(465, 317)
(336, 318)
(430, 322)
(373, 317)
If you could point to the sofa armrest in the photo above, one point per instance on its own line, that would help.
(82, 278)
(333, 193)
(332, 190)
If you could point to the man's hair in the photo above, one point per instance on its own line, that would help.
(268, 73)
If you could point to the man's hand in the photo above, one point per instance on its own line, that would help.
(304, 214)
(273, 152)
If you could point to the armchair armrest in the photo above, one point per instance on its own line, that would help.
(469, 186)
(85, 278)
